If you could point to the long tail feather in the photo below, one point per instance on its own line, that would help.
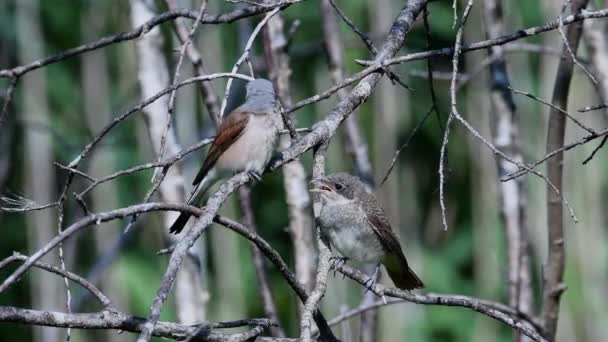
(401, 274)
(195, 199)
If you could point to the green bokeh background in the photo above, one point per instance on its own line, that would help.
(467, 259)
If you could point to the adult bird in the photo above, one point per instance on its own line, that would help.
(245, 141)
(353, 222)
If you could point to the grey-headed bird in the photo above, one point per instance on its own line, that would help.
(355, 224)
(245, 141)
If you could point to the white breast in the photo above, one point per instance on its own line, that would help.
(353, 238)
(254, 148)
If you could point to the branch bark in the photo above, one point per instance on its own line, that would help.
(553, 273)
(111, 319)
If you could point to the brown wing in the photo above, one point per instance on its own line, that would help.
(394, 261)
(379, 223)
(232, 128)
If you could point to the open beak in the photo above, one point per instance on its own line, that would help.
(320, 185)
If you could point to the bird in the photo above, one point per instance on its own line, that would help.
(353, 222)
(245, 141)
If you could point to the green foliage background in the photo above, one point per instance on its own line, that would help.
(447, 261)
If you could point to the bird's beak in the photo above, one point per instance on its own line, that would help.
(320, 185)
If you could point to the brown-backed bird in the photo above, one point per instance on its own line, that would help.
(245, 141)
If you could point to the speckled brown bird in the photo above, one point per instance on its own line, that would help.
(355, 224)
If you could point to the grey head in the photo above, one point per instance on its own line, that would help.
(341, 187)
(260, 98)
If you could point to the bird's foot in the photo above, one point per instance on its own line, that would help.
(338, 263)
(372, 281)
(370, 284)
(254, 175)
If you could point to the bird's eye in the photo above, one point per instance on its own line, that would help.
(339, 186)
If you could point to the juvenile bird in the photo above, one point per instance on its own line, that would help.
(355, 224)
(245, 141)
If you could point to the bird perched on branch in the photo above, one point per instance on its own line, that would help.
(355, 224)
(245, 141)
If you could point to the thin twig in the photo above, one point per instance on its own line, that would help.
(368, 43)
(429, 68)
(453, 112)
(138, 32)
(164, 163)
(406, 143)
(245, 55)
(176, 77)
(590, 108)
(588, 159)
(94, 219)
(551, 105)
(572, 53)
(207, 91)
(85, 151)
(105, 301)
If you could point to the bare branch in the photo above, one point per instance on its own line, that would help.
(453, 112)
(138, 32)
(555, 108)
(484, 44)
(145, 103)
(368, 43)
(105, 302)
(281, 266)
(324, 263)
(165, 163)
(245, 55)
(94, 219)
(572, 52)
(499, 312)
(207, 91)
(112, 319)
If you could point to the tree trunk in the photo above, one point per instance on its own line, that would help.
(154, 76)
(512, 197)
(294, 175)
(46, 289)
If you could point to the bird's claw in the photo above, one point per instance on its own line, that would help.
(338, 263)
(370, 284)
(373, 280)
(254, 175)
